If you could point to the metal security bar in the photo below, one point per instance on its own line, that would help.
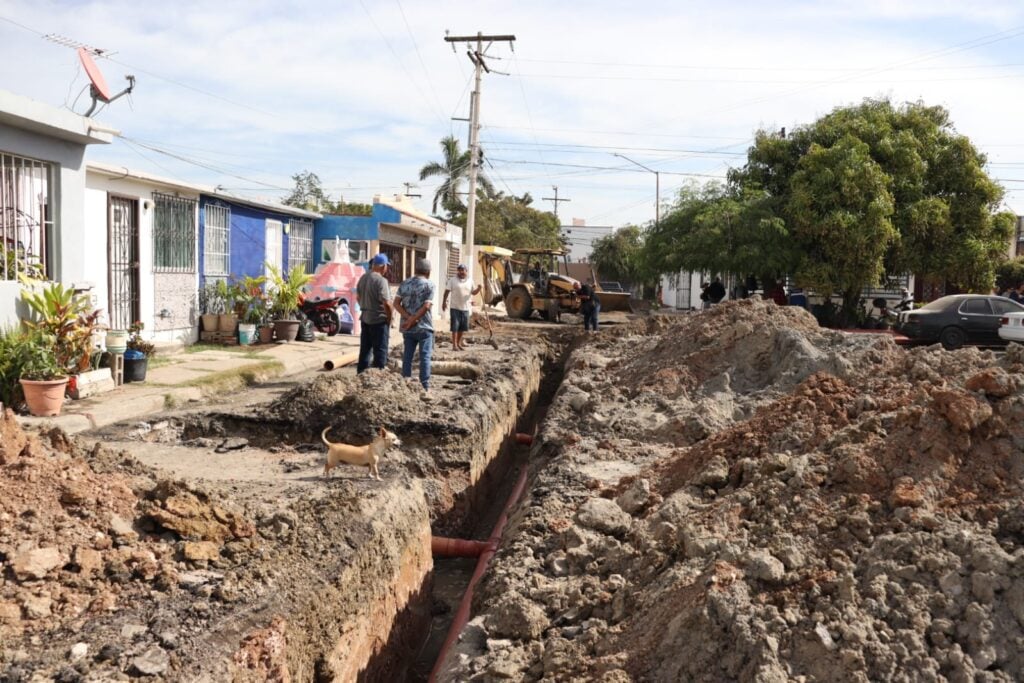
(217, 241)
(25, 216)
(174, 234)
(123, 261)
(300, 244)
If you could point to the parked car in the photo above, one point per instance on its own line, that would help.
(959, 319)
(1011, 327)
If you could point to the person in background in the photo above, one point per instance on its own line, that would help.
(906, 300)
(797, 297)
(413, 301)
(590, 305)
(716, 291)
(778, 294)
(460, 287)
(374, 295)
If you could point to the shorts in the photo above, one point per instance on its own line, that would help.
(460, 320)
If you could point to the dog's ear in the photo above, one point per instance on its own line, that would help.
(383, 432)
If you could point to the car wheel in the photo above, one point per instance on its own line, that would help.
(952, 338)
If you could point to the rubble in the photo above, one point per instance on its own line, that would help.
(802, 505)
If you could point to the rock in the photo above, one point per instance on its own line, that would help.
(514, 616)
(110, 652)
(78, 651)
(601, 514)
(578, 401)
(9, 613)
(905, 494)
(992, 382)
(133, 631)
(197, 578)
(762, 565)
(633, 499)
(36, 564)
(715, 473)
(36, 606)
(232, 444)
(201, 551)
(120, 528)
(152, 662)
(168, 638)
(962, 410)
(89, 561)
(824, 637)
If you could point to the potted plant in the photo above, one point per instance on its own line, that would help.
(43, 380)
(212, 305)
(136, 357)
(285, 295)
(252, 304)
(228, 319)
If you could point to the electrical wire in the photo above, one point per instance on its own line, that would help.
(426, 71)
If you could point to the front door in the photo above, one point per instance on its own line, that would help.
(123, 261)
(980, 321)
(274, 253)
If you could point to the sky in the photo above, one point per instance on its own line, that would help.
(244, 94)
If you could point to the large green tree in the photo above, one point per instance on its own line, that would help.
(508, 221)
(618, 255)
(866, 192)
(452, 169)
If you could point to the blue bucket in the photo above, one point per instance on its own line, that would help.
(246, 334)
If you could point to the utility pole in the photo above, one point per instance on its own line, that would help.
(408, 187)
(657, 186)
(477, 57)
(555, 199)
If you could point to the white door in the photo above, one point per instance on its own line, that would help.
(275, 256)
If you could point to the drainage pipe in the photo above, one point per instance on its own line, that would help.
(456, 547)
(462, 613)
(524, 439)
(341, 361)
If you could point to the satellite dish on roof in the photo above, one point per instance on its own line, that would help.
(97, 84)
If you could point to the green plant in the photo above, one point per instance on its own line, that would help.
(210, 300)
(65, 317)
(12, 356)
(253, 300)
(39, 360)
(286, 291)
(137, 343)
(14, 262)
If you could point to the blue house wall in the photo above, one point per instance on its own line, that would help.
(247, 237)
(331, 227)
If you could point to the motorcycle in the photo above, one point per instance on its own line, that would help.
(323, 314)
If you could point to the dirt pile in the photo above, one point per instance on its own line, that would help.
(858, 519)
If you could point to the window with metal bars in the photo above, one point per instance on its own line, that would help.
(25, 216)
(396, 256)
(217, 241)
(174, 234)
(300, 244)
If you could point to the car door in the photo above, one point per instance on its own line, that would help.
(979, 320)
(1003, 306)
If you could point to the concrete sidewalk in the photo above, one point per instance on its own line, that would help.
(195, 373)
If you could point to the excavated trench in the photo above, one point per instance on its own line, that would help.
(356, 594)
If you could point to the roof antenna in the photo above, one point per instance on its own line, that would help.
(98, 85)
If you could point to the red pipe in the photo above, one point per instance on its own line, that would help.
(524, 439)
(456, 547)
(462, 613)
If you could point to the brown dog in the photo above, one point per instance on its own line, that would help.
(368, 455)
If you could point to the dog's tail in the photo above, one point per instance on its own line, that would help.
(323, 436)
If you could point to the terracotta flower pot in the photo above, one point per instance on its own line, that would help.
(45, 398)
(286, 330)
(209, 322)
(266, 333)
(227, 322)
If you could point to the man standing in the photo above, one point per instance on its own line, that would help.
(461, 289)
(374, 296)
(590, 305)
(413, 302)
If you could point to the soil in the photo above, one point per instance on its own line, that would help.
(739, 495)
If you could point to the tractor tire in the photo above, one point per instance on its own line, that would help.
(519, 303)
(952, 338)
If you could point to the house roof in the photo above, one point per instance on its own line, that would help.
(115, 171)
(28, 114)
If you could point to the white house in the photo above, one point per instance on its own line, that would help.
(42, 195)
(142, 253)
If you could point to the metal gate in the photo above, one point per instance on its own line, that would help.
(683, 282)
(123, 276)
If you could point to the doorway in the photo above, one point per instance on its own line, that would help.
(123, 260)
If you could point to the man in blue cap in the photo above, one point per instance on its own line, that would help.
(374, 296)
(461, 290)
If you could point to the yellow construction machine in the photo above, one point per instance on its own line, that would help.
(529, 280)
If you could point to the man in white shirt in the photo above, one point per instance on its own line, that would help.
(460, 288)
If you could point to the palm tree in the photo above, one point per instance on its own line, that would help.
(453, 170)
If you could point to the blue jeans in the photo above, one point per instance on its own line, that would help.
(590, 318)
(373, 341)
(424, 339)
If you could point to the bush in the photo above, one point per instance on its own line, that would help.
(137, 343)
(12, 357)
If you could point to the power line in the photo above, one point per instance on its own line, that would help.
(426, 71)
(760, 81)
(606, 148)
(706, 67)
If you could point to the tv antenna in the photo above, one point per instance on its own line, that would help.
(98, 87)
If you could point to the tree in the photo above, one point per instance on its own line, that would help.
(508, 222)
(865, 193)
(308, 193)
(453, 169)
(618, 255)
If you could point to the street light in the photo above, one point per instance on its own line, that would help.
(657, 185)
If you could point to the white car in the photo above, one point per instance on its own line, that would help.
(1011, 327)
